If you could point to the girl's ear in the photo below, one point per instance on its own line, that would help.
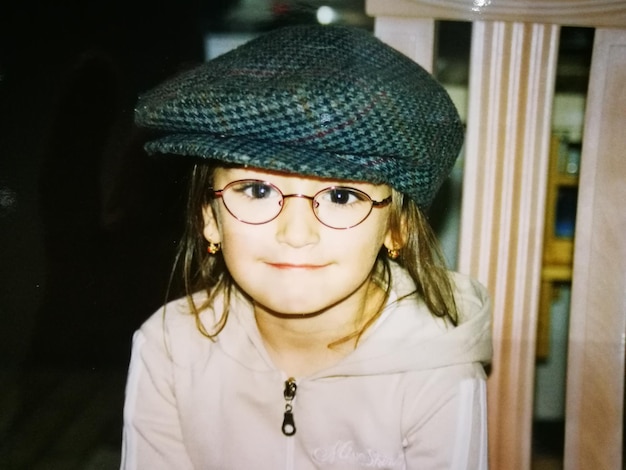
(391, 241)
(211, 229)
(396, 235)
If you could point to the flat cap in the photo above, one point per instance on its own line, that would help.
(328, 101)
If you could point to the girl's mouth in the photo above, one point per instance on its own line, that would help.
(296, 266)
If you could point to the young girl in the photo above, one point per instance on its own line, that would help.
(320, 329)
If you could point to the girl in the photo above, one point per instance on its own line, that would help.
(319, 329)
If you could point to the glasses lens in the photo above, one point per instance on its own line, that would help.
(252, 201)
(342, 207)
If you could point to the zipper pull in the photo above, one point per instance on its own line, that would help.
(289, 425)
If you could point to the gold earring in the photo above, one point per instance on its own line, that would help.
(213, 248)
(392, 253)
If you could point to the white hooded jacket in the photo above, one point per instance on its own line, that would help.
(410, 396)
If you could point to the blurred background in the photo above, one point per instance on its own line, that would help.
(89, 223)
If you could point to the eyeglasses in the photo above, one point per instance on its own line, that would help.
(257, 202)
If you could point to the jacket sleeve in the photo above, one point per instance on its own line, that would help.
(449, 429)
(152, 434)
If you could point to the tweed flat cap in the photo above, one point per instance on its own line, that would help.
(326, 101)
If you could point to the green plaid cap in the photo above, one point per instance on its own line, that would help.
(325, 101)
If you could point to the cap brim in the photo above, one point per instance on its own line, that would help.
(279, 157)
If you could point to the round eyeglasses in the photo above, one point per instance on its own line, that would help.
(257, 202)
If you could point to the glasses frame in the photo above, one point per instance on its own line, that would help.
(218, 193)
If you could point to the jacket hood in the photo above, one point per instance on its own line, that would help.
(409, 337)
(406, 337)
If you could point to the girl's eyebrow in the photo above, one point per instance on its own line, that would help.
(276, 178)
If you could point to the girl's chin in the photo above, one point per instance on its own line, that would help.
(283, 310)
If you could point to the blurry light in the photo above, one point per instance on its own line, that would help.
(480, 4)
(326, 15)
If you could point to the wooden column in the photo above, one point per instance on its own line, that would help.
(414, 37)
(507, 147)
(595, 406)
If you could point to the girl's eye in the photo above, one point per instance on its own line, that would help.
(257, 190)
(343, 196)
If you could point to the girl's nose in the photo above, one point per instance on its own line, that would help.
(297, 225)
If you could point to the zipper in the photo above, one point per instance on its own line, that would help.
(289, 393)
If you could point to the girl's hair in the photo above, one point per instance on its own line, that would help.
(420, 255)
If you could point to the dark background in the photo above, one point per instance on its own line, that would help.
(88, 222)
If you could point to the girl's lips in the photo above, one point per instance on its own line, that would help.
(296, 266)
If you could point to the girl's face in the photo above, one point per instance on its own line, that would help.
(293, 264)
